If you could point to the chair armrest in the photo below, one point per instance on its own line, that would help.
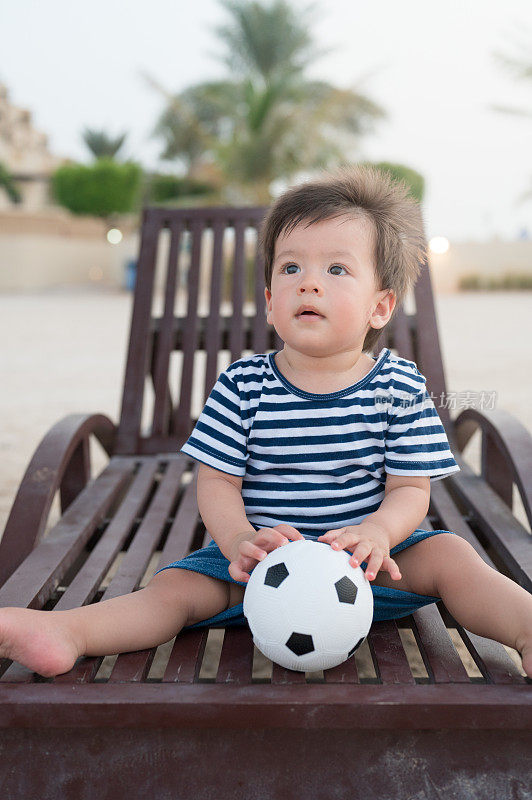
(60, 462)
(506, 454)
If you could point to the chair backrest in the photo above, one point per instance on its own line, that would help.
(207, 278)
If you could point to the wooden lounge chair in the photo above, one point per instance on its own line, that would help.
(453, 722)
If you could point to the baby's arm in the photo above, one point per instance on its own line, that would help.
(403, 508)
(221, 507)
(222, 510)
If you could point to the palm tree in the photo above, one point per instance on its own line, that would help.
(520, 67)
(101, 144)
(267, 120)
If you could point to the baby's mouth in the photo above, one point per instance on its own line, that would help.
(309, 315)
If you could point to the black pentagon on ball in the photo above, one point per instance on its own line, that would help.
(346, 590)
(275, 575)
(300, 644)
(356, 646)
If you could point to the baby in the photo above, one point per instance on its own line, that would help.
(319, 440)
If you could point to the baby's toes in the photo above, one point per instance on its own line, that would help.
(526, 657)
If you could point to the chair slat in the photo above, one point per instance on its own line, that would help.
(77, 476)
(213, 322)
(236, 338)
(137, 356)
(166, 416)
(128, 576)
(389, 657)
(179, 539)
(505, 533)
(262, 332)
(450, 517)
(135, 561)
(347, 672)
(181, 422)
(33, 582)
(491, 658)
(442, 662)
(280, 675)
(428, 351)
(184, 664)
(161, 409)
(446, 510)
(86, 582)
(17, 673)
(136, 666)
(236, 658)
(133, 667)
(400, 333)
(492, 655)
(133, 566)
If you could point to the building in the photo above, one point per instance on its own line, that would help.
(25, 154)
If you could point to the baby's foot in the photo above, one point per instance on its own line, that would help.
(526, 655)
(524, 648)
(37, 640)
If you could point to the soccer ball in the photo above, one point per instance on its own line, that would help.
(307, 607)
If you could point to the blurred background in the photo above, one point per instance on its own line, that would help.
(107, 109)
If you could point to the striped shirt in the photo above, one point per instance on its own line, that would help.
(319, 461)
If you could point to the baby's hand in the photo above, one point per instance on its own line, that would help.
(252, 548)
(364, 540)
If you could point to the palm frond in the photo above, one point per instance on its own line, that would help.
(101, 144)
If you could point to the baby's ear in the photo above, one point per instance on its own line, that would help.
(383, 310)
(267, 296)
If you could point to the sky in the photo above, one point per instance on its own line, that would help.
(429, 63)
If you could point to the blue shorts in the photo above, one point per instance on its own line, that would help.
(387, 603)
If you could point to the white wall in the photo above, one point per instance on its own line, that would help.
(490, 259)
(54, 248)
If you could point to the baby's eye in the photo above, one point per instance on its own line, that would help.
(286, 267)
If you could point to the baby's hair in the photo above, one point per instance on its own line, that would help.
(357, 191)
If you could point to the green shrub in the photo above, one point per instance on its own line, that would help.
(162, 189)
(509, 281)
(470, 282)
(516, 281)
(6, 182)
(100, 189)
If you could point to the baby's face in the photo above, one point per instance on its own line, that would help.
(328, 265)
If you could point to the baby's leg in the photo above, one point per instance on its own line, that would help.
(485, 601)
(480, 598)
(49, 642)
